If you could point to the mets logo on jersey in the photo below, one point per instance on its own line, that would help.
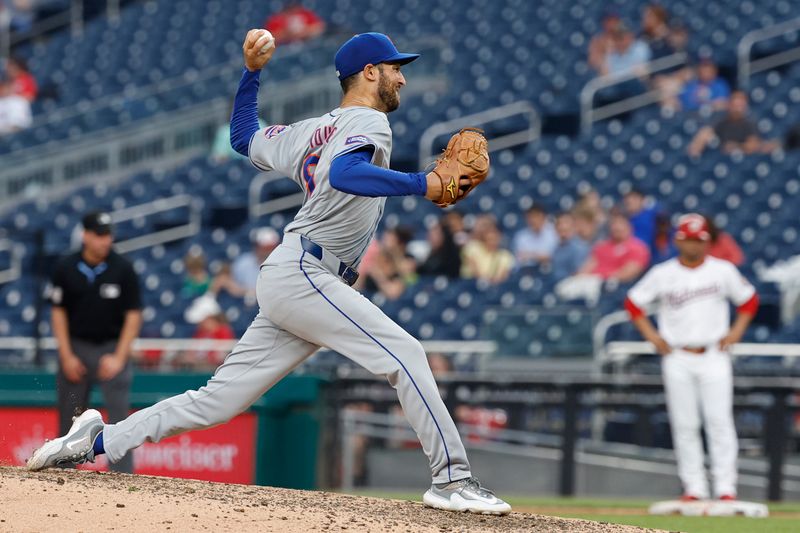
(274, 131)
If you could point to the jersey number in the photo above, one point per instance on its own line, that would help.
(309, 167)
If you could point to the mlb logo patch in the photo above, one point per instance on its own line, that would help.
(357, 139)
(274, 131)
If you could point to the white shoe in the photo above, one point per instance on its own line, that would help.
(76, 447)
(465, 495)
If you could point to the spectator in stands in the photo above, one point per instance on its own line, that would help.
(196, 281)
(240, 279)
(656, 32)
(603, 41)
(590, 202)
(735, 132)
(453, 219)
(623, 54)
(723, 245)
(390, 268)
(212, 325)
(15, 111)
(23, 81)
(483, 257)
(295, 23)
(444, 258)
(663, 246)
(534, 244)
(627, 54)
(665, 38)
(571, 252)
(621, 257)
(641, 215)
(586, 227)
(706, 89)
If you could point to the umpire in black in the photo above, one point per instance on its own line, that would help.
(96, 316)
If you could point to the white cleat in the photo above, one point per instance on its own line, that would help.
(465, 495)
(76, 447)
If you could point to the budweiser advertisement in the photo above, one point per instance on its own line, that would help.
(223, 453)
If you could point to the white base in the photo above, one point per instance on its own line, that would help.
(710, 508)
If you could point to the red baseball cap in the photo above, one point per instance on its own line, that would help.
(692, 226)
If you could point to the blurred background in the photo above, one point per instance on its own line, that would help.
(606, 121)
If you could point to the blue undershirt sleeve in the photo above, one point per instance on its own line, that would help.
(354, 173)
(244, 118)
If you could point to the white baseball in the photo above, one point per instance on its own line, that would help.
(268, 39)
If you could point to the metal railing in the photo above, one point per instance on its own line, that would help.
(279, 92)
(27, 346)
(747, 67)
(71, 17)
(258, 208)
(617, 353)
(590, 114)
(573, 395)
(521, 108)
(161, 205)
(15, 251)
(155, 143)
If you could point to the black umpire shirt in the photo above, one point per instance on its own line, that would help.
(97, 297)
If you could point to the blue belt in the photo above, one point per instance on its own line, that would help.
(349, 275)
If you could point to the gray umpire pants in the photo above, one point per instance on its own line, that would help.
(303, 306)
(73, 398)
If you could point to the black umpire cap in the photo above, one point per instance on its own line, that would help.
(98, 222)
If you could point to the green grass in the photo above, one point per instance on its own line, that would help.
(773, 524)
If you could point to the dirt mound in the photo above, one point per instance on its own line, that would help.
(68, 500)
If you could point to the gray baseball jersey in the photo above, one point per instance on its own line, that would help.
(303, 303)
(337, 221)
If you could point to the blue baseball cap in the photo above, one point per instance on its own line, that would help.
(367, 49)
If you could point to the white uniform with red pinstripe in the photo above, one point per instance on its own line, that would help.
(693, 316)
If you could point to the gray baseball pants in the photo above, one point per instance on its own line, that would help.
(303, 306)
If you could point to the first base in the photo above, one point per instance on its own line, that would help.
(710, 508)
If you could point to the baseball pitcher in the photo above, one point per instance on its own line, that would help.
(341, 161)
(694, 335)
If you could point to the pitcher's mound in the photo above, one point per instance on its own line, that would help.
(69, 500)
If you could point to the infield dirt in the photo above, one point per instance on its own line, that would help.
(69, 500)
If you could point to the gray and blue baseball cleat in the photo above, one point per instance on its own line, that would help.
(465, 495)
(76, 447)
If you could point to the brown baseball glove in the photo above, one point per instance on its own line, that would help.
(462, 167)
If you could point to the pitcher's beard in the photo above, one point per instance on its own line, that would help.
(388, 95)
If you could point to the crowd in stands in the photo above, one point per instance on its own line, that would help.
(617, 244)
(695, 87)
(596, 242)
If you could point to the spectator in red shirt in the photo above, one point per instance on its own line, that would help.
(23, 81)
(211, 324)
(622, 256)
(723, 246)
(295, 23)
